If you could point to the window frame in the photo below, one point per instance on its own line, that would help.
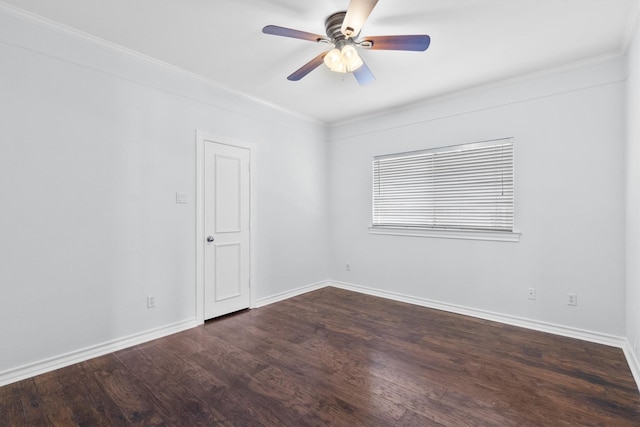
(451, 233)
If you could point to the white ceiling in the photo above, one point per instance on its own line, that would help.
(473, 42)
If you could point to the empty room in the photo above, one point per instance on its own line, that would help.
(340, 212)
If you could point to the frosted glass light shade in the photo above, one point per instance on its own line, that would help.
(333, 60)
(350, 58)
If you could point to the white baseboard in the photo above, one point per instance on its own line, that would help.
(581, 334)
(632, 360)
(51, 364)
(566, 331)
(261, 302)
(47, 365)
(57, 362)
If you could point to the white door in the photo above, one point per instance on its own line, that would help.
(227, 213)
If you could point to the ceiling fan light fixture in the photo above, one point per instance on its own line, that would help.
(333, 60)
(340, 68)
(342, 29)
(350, 58)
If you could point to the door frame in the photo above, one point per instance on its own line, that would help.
(201, 139)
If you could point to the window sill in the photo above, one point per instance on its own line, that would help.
(499, 236)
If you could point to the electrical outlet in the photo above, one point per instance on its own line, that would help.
(151, 302)
(348, 267)
(531, 293)
(572, 299)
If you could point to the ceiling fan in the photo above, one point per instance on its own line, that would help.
(343, 29)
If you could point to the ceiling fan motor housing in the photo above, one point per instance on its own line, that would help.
(333, 26)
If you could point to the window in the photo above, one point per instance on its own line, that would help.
(463, 188)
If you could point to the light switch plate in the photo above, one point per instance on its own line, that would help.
(181, 198)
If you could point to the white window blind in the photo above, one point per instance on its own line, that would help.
(464, 187)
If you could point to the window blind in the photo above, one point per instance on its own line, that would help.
(467, 187)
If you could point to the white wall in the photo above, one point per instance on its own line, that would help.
(633, 198)
(569, 144)
(94, 145)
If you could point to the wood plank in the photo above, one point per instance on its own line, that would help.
(11, 405)
(134, 399)
(32, 403)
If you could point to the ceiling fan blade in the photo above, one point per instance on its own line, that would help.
(307, 68)
(364, 75)
(356, 16)
(295, 34)
(414, 43)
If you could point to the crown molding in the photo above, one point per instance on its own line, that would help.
(498, 84)
(84, 37)
(631, 28)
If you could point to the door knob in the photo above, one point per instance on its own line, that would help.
(210, 239)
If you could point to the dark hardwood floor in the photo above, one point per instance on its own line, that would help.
(338, 358)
